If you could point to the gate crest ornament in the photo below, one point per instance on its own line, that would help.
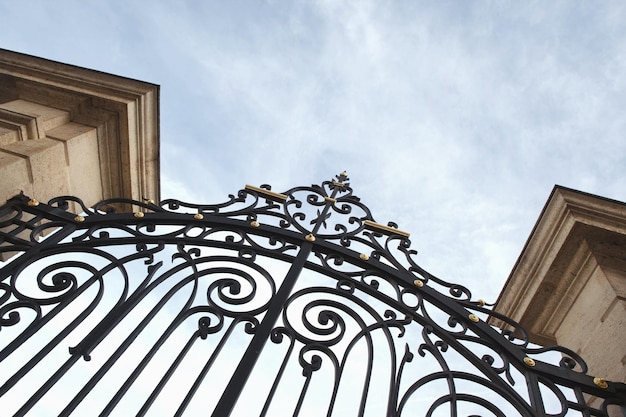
(292, 303)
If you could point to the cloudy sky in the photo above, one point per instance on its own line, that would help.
(453, 119)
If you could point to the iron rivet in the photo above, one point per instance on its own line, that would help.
(481, 302)
(529, 361)
(254, 223)
(474, 318)
(418, 283)
(33, 203)
(363, 257)
(198, 216)
(600, 382)
(138, 214)
(79, 219)
(310, 237)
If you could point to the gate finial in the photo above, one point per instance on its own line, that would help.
(343, 176)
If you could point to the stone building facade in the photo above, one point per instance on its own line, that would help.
(568, 286)
(66, 130)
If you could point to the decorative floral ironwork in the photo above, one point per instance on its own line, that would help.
(300, 296)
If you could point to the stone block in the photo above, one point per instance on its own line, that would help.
(14, 176)
(587, 312)
(24, 126)
(14, 179)
(605, 346)
(8, 135)
(81, 149)
(47, 117)
(47, 165)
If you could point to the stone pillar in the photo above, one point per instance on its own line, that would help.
(70, 130)
(66, 130)
(568, 286)
(43, 154)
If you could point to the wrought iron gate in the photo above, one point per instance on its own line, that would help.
(269, 304)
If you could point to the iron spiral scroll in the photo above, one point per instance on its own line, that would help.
(293, 303)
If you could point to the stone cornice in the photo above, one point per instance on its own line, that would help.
(575, 234)
(124, 111)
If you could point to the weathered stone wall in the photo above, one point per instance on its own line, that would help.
(569, 284)
(66, 130)
(44, 154)
(69, 130)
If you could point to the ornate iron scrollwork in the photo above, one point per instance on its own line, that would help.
(293, 303)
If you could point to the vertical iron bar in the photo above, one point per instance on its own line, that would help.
(278, 377)
(534, 393)
(205, 369)
(166, 377)
(232, 391)
(244, 369)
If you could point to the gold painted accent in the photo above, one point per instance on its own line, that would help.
(270, 195)
(149, 201)
(138, 214)
(330, 200)
(601, 382)
(382, 228)
(474, 318)
(32, 202)
(364, 257)
(254, 223)
(79, 219)
(310, 237)
(529, 361)
(418, 283)
(344, 173)
(338, 184)
(481, 302)
(198, 216)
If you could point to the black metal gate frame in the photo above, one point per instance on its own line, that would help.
(330, 234)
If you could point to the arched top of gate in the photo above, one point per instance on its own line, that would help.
(329, 210)
(329, 214)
